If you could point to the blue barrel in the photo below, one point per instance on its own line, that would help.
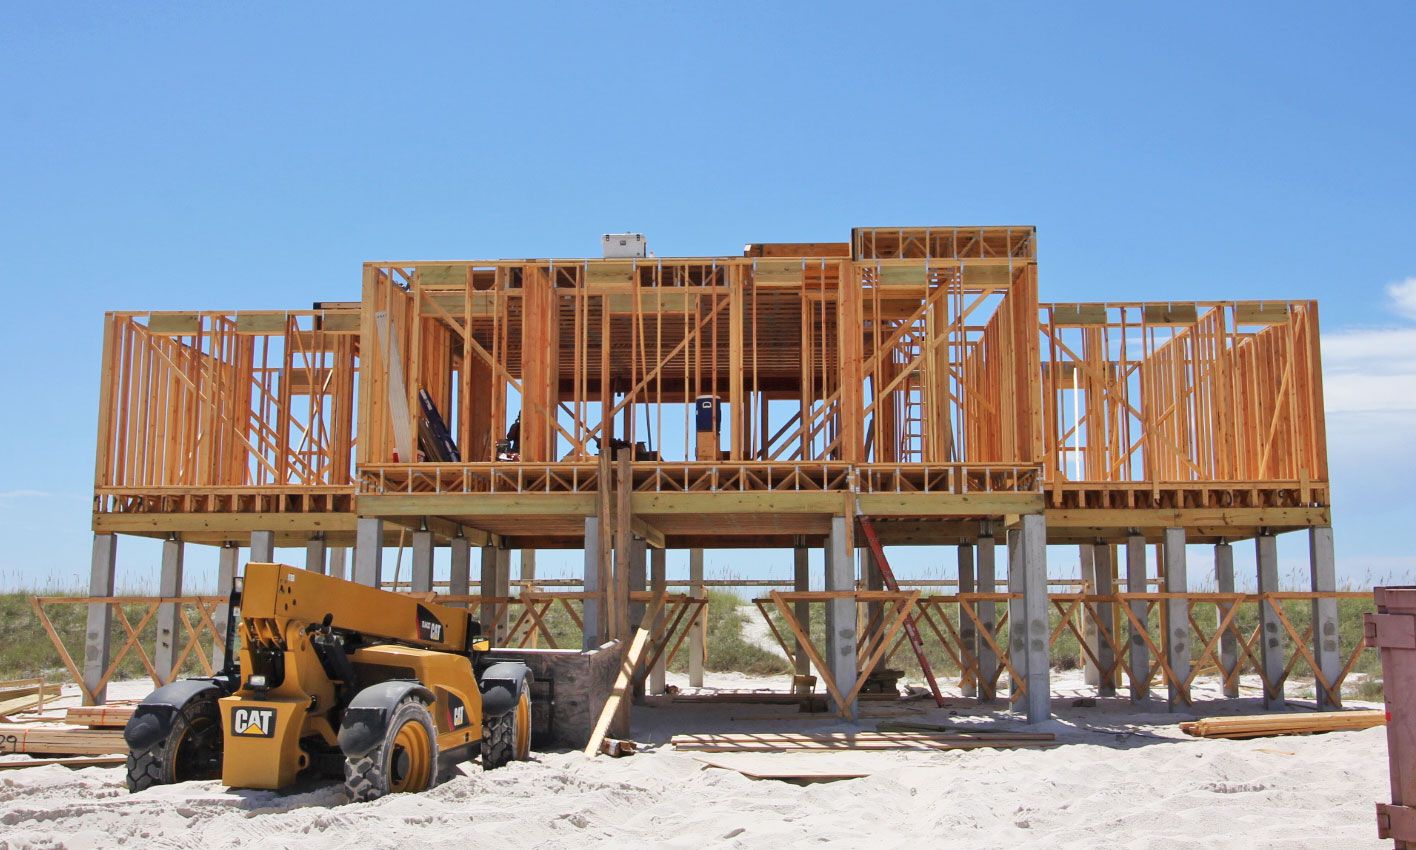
(707, 414)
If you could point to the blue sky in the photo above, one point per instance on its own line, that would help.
(253, 155)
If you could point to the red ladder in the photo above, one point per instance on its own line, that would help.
(887, 576)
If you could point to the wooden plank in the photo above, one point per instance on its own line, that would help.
(1263, 725)
(174, 324)
(1072, 315)
(261, 322)
(100, 716)
(789, 767)
(628, 663)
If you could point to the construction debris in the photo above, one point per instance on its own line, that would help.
(615, 748)
(1264, 725)
(20, 695)
(825, 742)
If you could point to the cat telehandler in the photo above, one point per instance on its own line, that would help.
(334, 679)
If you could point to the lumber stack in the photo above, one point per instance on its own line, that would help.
(1264, 725)
(100, 716)
(745, 742)
(24, 695)
(60, 741)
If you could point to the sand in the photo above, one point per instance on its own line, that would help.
(1124, 778)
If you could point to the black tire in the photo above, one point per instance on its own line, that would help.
(191, 751)
(383, 770)
(500, 734)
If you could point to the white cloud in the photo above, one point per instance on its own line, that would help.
(1370, 370)
(1403, 297)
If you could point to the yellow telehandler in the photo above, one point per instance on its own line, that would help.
(333, 679)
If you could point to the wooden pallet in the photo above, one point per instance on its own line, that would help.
(1264, 725)
(826, 742)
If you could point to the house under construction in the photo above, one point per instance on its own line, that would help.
(906, 384)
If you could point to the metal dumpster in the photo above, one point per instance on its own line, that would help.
(1392, 630)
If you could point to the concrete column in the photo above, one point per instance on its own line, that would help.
(658, 583)
(1017, 618)
(1102, 582)
(987, 617)
(169, 583)
(487, 588)
(1228, 646)
(368, 552)
(263, 547)
(873, 580)
(503, 589)
(840, 613)
(801, 582)
(227, 562)
(594, 608)
(315, 551)
(339, 561)
(638, 582)
(698, 637)
(459, 576)
(1323, 571)
(1086, 555)
(1138, 656)
(968, 635)
(1271, 636)
(1177, 615)
(102, 571)
(422, 578)
(1028, 626)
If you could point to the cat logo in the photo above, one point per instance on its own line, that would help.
(459, 716)
(456, 711)
(430, 628)
(253, 722)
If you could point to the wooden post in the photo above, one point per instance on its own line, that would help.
(841, 613)
(1323, 571)
(801, 582)
(1177, 614)
(1138, 655)
(968, 635)
(422, 575)
(638, 582)
(169, 583)
(102, 572)
(1271, 640)
(1228, 646)
(502, 589)
(698, 637)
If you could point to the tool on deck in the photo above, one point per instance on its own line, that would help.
(887, 577)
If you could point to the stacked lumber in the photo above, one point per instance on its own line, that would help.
(745, 742)
(1264, 725)
(100, 716)
(60, 741)
(24, 695)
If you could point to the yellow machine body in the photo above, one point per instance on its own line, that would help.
(265, 724)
